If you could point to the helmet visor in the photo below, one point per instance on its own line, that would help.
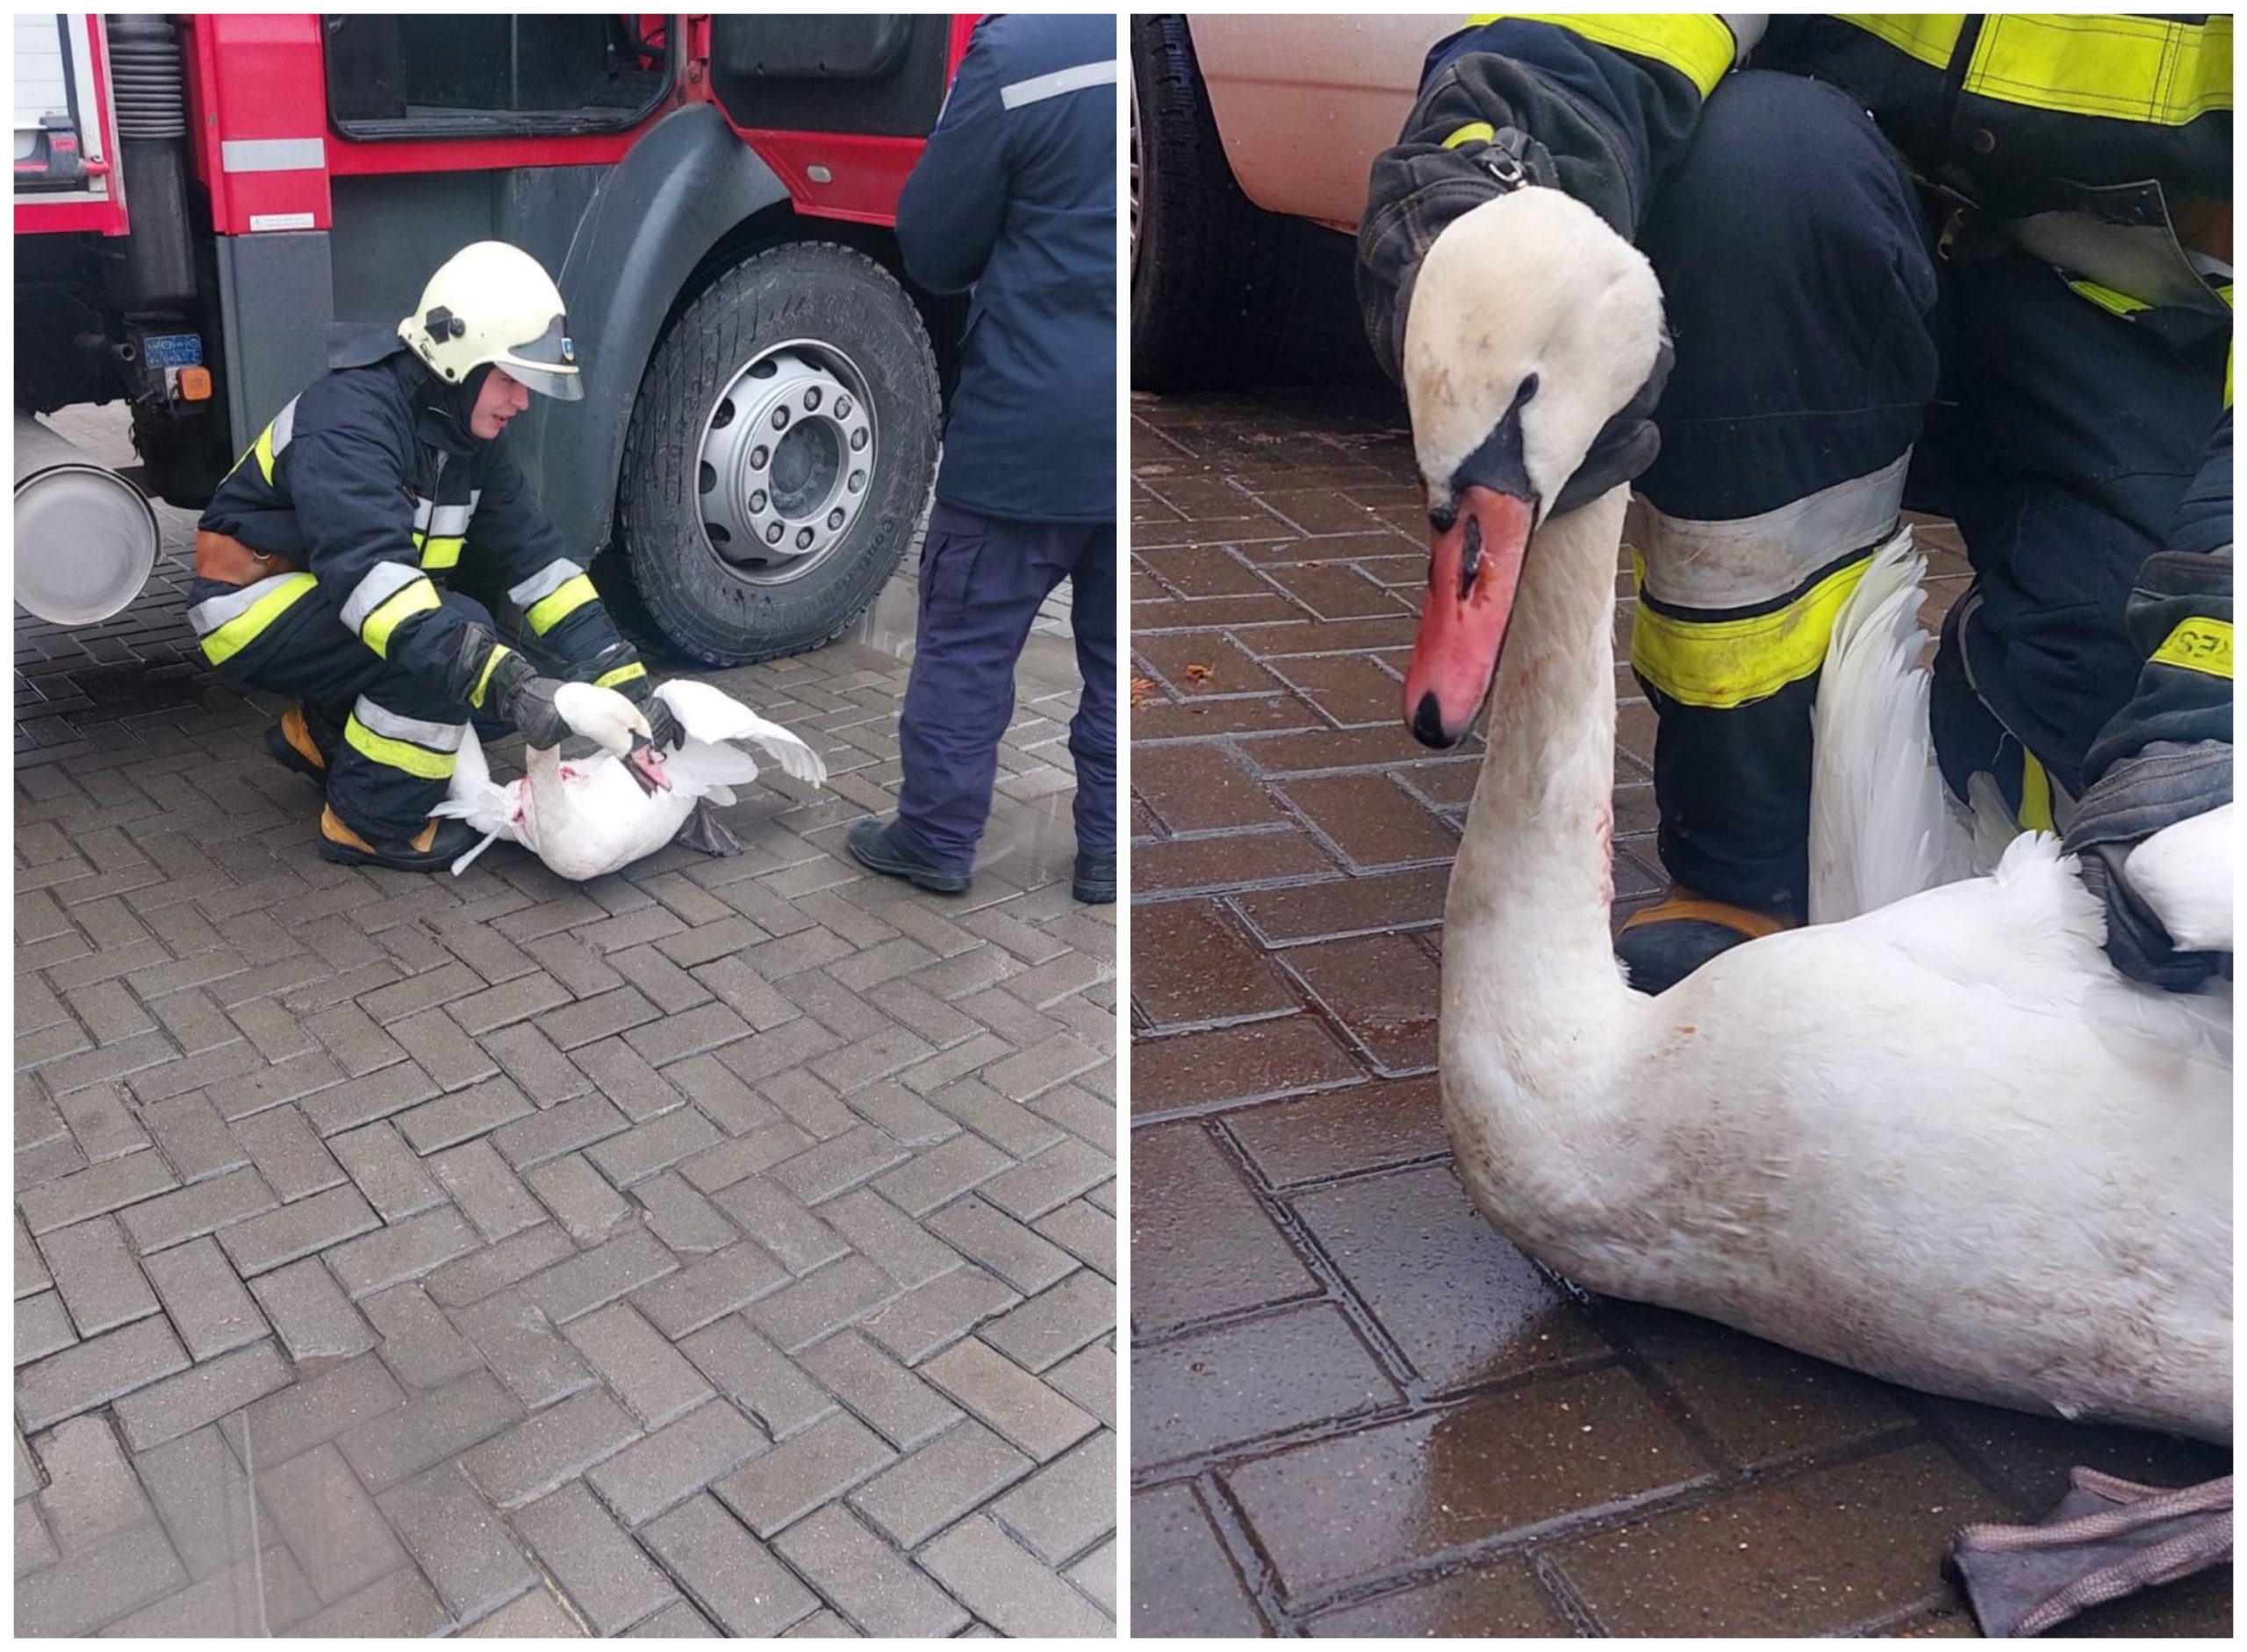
(547, 364)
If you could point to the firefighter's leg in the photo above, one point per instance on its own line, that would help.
(1801, 291)
(1092, 731)
(2077, 430)
(981, 582)
(278, 635)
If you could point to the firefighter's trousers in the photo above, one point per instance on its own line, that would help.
(982, 582)
(390, 740)
(1832, 368)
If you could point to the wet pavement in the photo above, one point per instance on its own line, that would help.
(723, 1246)
(1356, 1410)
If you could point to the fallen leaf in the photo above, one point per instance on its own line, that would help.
(1199, 673)
(1142, 691)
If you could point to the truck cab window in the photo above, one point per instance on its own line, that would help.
(438, 75)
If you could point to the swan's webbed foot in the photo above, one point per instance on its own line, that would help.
(2108, 1538)
(705, 831)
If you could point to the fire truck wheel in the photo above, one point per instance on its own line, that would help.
(780, 456)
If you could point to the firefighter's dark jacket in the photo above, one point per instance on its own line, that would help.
(371, 481)
(1994, 111)
(1016, 197)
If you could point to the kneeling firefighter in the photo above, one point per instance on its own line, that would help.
(1974, 265)
(321, 562)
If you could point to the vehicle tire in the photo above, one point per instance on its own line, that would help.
(1195, 238)
(821, 316)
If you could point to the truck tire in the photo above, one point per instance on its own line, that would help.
(780, 456)
(1194, 234)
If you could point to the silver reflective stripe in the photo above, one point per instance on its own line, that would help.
(284, 426)
(384, 581)
(544, 583)
(438, 737)
(422, 511)
(1755, 559)
(273, 154)
(1039, 87)
(213, 612)
(1747, 29)
(449, 522)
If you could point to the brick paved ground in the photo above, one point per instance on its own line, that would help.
(1356, 1410)
(727, 1246)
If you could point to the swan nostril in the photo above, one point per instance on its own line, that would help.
(1427, 723)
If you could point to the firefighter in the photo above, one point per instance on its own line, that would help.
(1978, 266)
(322, 561)
(1015, 197)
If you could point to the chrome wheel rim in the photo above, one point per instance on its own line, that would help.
(786, 461)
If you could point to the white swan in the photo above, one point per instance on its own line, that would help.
(1943, 1143)
(585, 819)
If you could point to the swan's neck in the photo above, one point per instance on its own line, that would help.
(1530, 979)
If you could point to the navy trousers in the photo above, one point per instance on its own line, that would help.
(982, 581)
(389, 738)
(1830, 366)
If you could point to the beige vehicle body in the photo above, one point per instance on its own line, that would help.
(1304, 104)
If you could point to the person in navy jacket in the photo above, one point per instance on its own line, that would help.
(1014, 201)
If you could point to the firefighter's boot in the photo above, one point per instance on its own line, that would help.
(432, 849)
(1668, 941)
(290, 742)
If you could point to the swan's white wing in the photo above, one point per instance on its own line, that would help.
(703, 770)
(2184, 873)
(712, 715)
(1880, 826)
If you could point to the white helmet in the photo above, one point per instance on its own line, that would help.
(491, 302)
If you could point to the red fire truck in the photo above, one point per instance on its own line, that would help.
(199, 199)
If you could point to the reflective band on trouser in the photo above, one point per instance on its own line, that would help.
(2199, 645)
(2119, 67)
(573, 594)
(1931, 37)
(1696, 45)
(1472, 131)
(544, 583)
(621, 674)
(499, 651)
(1722, 662)
(426, 750)
(439, 554)
(2036, 795)
(418, 598)
(231, 623)
(1746, 562)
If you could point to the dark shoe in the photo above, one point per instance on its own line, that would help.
(873, 844)
(432, 849)
(1668, 941)
(1094, 882)
(289, 744)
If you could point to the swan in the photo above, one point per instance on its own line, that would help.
(586, 818)
(1941, 1141)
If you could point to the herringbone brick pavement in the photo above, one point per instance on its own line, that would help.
(722, 1246)
(1357, 1410)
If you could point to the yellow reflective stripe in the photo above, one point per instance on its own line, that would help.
(1931, 38)
(1472, 131)
(2199, 645)
(2120, 68)
(1698, 45)
(621, 674)
(499, 651)
(263, 449)
(551, 611)
(439, 553)
(418, 598)
(2036, 795)
(240, 632)
(1725, 662)
(2106, 299)
(418, 761)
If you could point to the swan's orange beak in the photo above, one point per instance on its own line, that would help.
(1473, 569)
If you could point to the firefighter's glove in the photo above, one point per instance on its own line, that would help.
(546, 715)
(2135, 798)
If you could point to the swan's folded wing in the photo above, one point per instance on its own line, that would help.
(2184, 873)
(712, 715)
